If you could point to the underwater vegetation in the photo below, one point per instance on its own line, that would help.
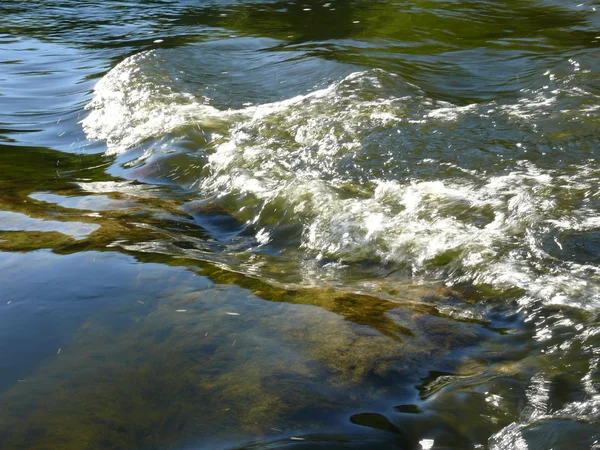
(217, 360)
(208, 352)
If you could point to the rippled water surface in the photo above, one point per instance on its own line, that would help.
(283, 224)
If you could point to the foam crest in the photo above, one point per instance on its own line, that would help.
(134, 102)
(326, 173)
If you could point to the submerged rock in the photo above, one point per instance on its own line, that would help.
(223, 364)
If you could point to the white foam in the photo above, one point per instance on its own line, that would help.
(129, 106)
(301, 153)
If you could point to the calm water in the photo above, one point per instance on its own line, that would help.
(310, 225)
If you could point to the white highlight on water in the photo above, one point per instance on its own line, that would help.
(290, 153)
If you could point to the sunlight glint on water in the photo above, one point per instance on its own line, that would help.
(338, 224)
(315, 162)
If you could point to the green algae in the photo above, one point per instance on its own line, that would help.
(131, 229)
(25, 241)
(150, 219)
(233, 362)
(190, 368)
(30, 169)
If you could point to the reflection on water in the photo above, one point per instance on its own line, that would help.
(161, 353)
(19, 222)
(319, 224)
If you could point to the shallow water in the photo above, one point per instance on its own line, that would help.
(299, 225)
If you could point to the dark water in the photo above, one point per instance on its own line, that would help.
(312, 225)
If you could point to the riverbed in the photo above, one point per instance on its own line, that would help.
(309, 225)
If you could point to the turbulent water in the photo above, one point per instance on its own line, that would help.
(414, 185)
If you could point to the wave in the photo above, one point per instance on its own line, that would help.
(371, 169)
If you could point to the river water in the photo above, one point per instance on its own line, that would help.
(300, 224)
